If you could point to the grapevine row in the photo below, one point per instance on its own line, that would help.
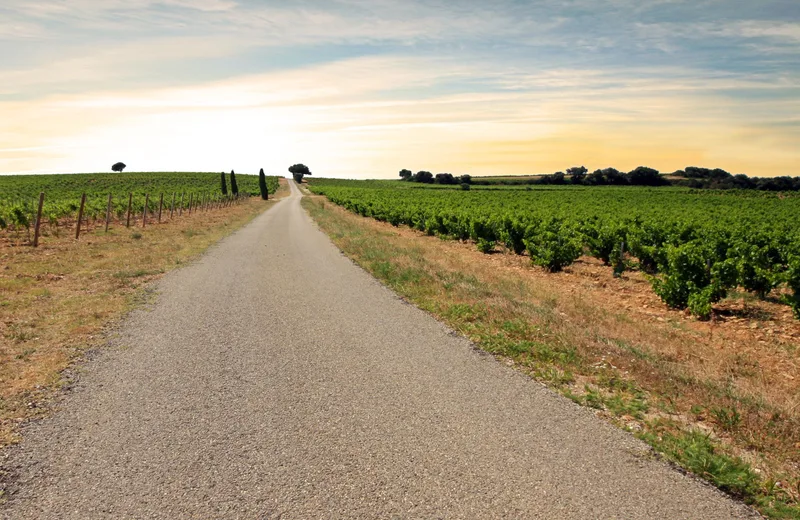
(19, 193)
(695, 246)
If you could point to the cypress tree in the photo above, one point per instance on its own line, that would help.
(223, 183)
(234, 186)
(262, 184)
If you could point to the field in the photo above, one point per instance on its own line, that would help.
(57, 299)
(697, 245)
(719, 396)
(509, 180)
(19, 195)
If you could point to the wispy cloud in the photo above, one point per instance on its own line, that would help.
(366, 87)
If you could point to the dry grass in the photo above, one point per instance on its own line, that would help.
(608, 343)
(57, 299)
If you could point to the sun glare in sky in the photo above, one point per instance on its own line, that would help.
(364, 88)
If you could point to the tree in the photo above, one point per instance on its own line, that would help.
(223, 184)
(596, 178)
(744, 182)
(720, 174)
(118, 167)
(423, 176)
(614, 176)
(693, 172)
(466, 179)
(577, 173)
(262, 184)
(445, 178)
(557, 178)
(605, 176)
(405, 174)
(234, 186)
(298, 171)
(644, 176)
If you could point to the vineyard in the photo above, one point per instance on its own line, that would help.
(115, 195)
(694, 245)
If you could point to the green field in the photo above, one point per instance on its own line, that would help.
(19, 194)
(695, 244)
(510, 180)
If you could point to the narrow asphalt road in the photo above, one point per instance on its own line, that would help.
(275, 379)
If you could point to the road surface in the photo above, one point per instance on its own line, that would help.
(275, 379)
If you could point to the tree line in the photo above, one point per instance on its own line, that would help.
(429, 178)
(691, 176)
(695, 177)
(262, 184)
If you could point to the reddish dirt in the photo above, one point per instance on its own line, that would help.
(744, 333)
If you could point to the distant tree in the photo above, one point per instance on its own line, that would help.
(577, 174)
(465, 186)
(766, 184)
(405, 174)
(717, 174)
(596, 178)
(743, 182)
(774, 183)
(444, 178)
(118, 167)
(614, 176)
(298, 171)
(644, 176)
(783, 183)
(423, 176)
(223, 184)
(720, 174)
(466, 179)
(605, 176)
(557, 178)
(693, 172)
(262, 184)
(234, 186)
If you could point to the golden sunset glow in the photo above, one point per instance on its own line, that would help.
(366, 92)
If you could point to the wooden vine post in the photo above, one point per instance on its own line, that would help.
(80, 216)
(172, 207)
(144, 213)
(191, 196)
(160, 206)
(38, 221)
(108, 212)
(180, 209)
(130, 203)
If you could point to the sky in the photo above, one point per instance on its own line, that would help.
(364, 88)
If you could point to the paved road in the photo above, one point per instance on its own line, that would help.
(274, 379)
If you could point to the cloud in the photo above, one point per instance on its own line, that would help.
(364, 86)
(101, 38)
(786, 32)
(351, 118)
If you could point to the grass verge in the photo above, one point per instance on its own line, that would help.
(57, 299)
(713, 424)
